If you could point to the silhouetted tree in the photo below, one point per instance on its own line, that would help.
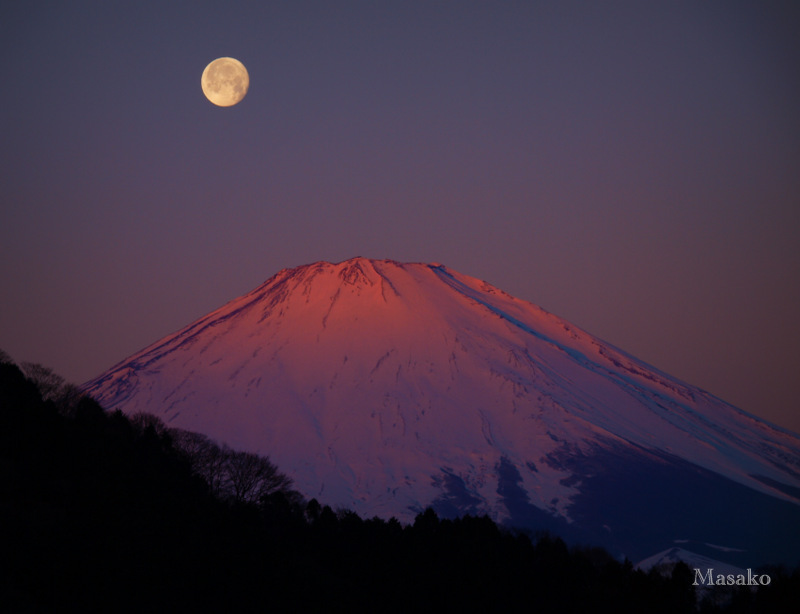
(47, 381)
(206, 458)
(313, 510)
(250, 477)
(53, 387)
(427, 521)
(143, 421)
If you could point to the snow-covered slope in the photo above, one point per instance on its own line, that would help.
(386, 387)
(666, 560)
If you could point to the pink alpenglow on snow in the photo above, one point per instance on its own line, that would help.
(385, 388)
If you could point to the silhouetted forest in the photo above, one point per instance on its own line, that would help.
(106, 513)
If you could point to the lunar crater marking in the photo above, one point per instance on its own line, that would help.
(225, 82)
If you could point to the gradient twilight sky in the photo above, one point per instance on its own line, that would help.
(633, 167)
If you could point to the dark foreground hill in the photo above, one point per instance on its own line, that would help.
(101, 513)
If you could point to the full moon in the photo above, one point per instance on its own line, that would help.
(225, 81)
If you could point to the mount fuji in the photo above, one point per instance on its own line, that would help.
(386, 388)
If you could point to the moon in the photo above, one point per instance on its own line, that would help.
(225, 82)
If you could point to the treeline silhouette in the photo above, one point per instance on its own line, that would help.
(106, 513)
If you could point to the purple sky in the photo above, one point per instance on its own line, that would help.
(633, 167)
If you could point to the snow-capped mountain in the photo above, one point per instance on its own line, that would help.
(386, 387)
(667, 559)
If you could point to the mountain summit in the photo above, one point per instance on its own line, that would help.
(386, 388)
